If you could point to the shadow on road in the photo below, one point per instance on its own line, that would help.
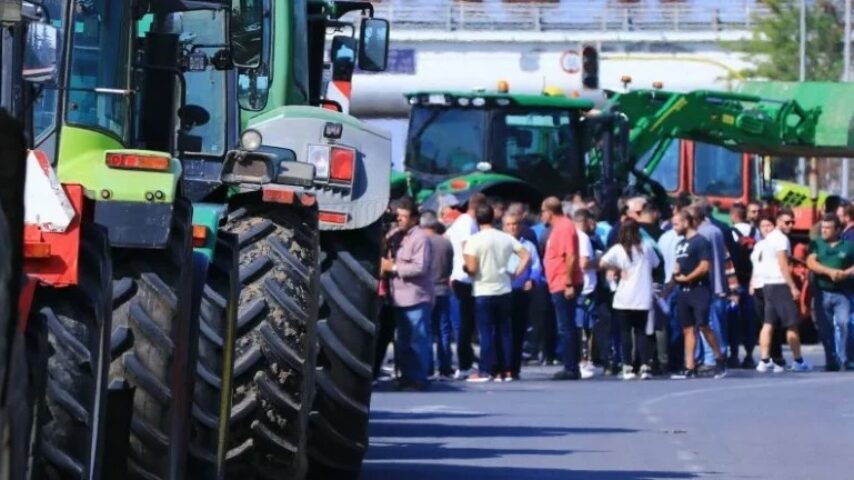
(435, 451)
(428, 471)
(380, 415)
(438, 430)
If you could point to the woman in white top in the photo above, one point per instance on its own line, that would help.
(635, 261)
(761, 263)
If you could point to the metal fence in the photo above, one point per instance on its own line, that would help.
(575, 15)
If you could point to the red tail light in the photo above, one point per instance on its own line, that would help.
(333, 217)
(136, 161)
(200, 235)
(342, 165)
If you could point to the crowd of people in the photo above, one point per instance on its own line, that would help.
(680, 297)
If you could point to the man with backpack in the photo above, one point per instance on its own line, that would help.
(742, 312)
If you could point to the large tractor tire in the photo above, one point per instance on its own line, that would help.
(276, 342)
(338, 431)
(16, 407)
(153, 348)
(213, 387)
(78, 318)
(13, 152)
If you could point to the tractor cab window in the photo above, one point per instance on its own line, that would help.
(717, 171)
(445, 141)
(666, 173)
(206, 88)
(98, 77)
(45, 106)
(534, 143)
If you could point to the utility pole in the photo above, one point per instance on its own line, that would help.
(803, 50)
(846, 77)
(802, 164)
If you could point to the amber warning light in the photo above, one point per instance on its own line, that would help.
(135, 161)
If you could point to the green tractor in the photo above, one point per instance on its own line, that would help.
(110, 99)
(284, 175)
(516, 147)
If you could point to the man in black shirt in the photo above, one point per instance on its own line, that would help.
(691, 274)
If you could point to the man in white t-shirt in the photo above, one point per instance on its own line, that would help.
(585, 312)
(486, 255)
(780, 293)
(458, 233)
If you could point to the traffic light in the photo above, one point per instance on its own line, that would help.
(590, 68)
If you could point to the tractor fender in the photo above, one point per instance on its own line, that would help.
(342, 207)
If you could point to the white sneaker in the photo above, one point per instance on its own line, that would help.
(628, 374)
(462, 374)
(477, 378)
(645, 372)
(765, 366)
(801, 366)
(586, 373)
(591, 367)
(775, 368)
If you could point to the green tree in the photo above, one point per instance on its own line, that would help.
(774, 46)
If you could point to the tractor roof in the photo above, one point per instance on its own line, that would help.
(513, 99)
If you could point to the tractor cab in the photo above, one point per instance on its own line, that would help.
(514, 146)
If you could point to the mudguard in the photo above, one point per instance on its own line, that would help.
(295, 128)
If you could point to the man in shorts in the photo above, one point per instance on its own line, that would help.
(780, 293)
(691, 275)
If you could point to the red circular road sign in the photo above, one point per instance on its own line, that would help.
(570, 62)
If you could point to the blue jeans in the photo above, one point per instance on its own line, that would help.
(492, 314)
(833, 312)
(567, 332)
(413, 345)
(717, 320)
(849, 351)
(442, 332)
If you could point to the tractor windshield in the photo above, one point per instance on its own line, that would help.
(534, 143)
(445, 141)
(206, 89)
(98, 78)
(717, 171)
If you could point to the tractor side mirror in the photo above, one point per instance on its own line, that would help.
(248, 32)
(41, 54)
(373, 45)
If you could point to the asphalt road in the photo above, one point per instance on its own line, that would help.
(748, 425)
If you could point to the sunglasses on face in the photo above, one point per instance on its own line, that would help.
(788, 222)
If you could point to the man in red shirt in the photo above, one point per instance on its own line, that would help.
(564, 277)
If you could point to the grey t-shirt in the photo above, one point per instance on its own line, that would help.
(441, 264)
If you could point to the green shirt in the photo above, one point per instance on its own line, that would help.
(839, 256)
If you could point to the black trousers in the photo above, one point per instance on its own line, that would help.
(633, 324)
(385, 336)
(518, 326)
(545, 324)
(465, 352)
